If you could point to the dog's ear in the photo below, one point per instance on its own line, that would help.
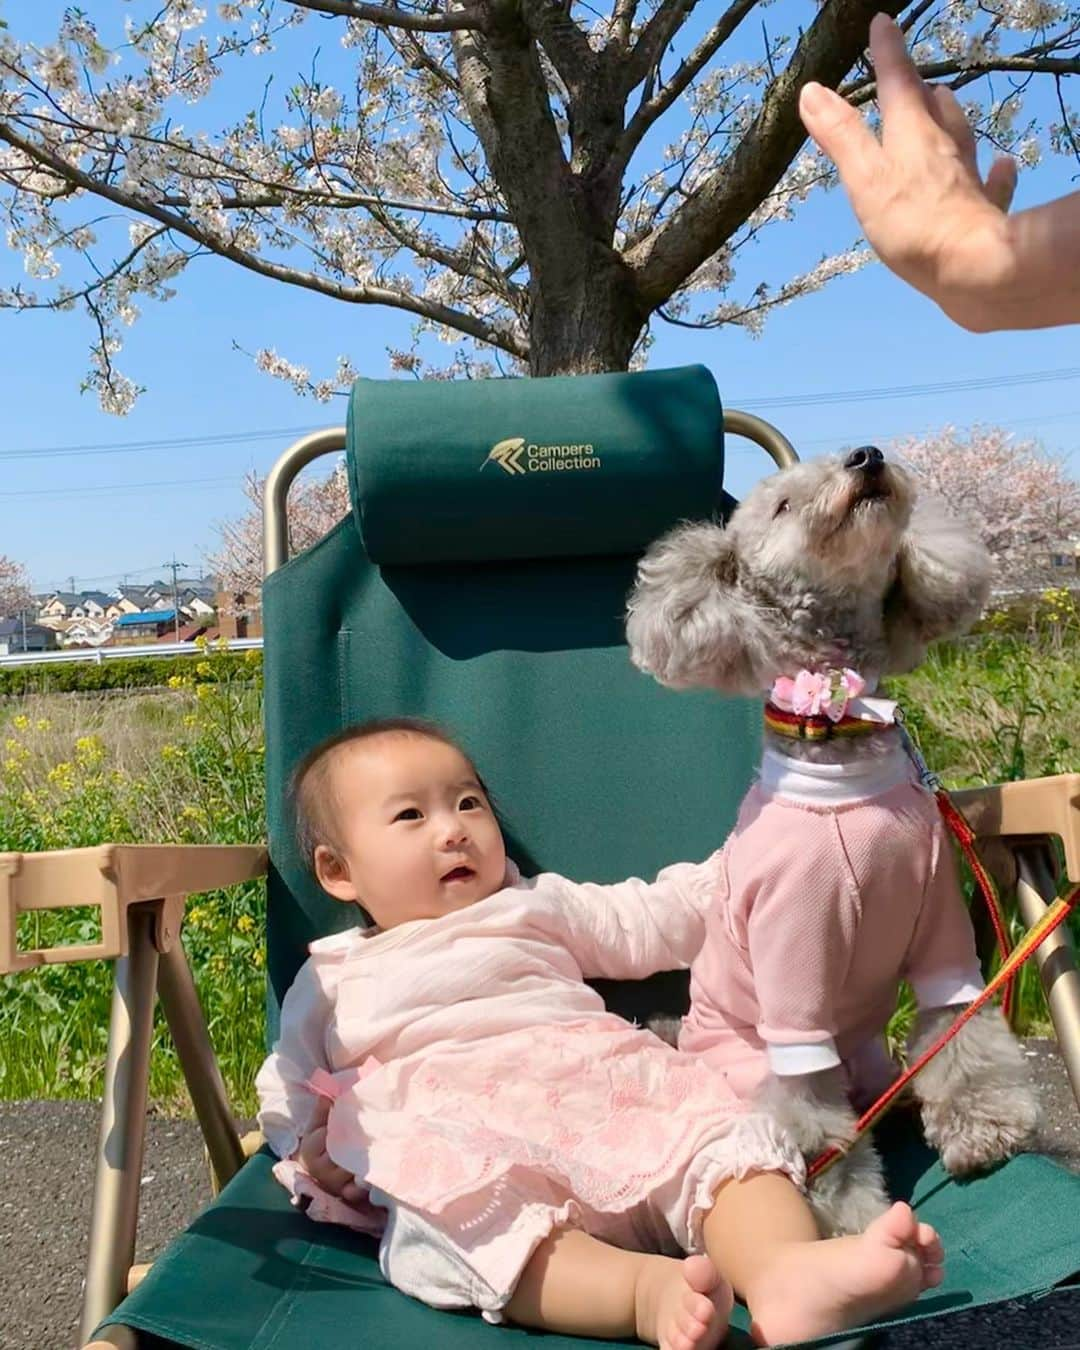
(942, 583)
(687, 622)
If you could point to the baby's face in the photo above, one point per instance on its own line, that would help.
(417, 835)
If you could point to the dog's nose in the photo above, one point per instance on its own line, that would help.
(868, 458)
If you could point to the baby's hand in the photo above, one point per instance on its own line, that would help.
(318, 1164)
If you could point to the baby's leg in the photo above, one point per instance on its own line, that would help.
(762, 1237)
(580, 1286)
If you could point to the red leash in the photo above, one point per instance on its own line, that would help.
(1055, 915)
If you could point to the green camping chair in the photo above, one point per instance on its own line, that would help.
(480, 580)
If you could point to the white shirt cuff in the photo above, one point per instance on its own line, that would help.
(946, 988)
(805, 1057)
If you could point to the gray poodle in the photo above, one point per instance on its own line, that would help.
(838, 880)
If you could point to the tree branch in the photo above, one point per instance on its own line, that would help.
(708, 218)
(654, 107)
(863, 91)
(369, 295)
(387, 16)
(647, 50)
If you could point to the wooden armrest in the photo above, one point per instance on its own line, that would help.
(1029, 808)
(112, 877)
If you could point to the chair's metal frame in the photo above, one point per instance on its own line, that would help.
(141, 891)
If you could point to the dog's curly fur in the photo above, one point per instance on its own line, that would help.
(838, 562)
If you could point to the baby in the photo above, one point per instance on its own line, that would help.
(517, 1148)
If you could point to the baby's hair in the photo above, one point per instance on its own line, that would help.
(309, 785)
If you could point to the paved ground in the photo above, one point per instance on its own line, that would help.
(46, 1173)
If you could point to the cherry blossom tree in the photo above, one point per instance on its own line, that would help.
(14, 588)
(316, 505)
(1022, 500)
(536, 182)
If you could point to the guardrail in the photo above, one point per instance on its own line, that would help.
(101, 654)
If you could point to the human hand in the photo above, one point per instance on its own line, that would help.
(318, 1164)
(918, 194)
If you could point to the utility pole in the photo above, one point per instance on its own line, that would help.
(175, 566)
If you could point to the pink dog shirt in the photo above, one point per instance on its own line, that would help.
(834, 886)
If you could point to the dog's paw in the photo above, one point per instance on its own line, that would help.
(977, 1131)
(852, 1193)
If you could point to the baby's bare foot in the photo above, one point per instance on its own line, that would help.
(812, 1288)
(682, 1305)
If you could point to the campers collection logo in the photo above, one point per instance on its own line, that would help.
(516, 456)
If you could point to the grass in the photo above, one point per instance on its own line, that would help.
(185, 764)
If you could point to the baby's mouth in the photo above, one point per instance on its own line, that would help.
(462, 873)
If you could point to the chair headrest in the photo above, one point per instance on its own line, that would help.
(566, 466)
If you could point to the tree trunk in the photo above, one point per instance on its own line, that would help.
(589, 321)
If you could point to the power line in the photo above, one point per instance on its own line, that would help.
(909, 390)
(116, 489)
(777, 401)
(172, 443)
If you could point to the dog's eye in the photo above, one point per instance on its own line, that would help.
(781, 506)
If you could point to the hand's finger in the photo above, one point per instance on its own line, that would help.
(351, 1193)
(329, 1176)
(841, 133)
(1001, 182)
(313, 1144)
(950, 117)
(900, 89)
(322, 1112)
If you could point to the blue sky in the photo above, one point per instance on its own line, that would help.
(99, 516)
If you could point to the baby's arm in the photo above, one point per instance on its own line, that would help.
(635, 928)
(287, 1106)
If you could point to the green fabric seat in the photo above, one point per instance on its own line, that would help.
(503, 621)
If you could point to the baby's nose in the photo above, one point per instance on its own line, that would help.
(867, 457)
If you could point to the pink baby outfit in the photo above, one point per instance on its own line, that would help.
(837, 882)
(486, 1096)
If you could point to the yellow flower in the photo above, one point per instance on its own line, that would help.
(62, 775)
(201, 642)
(195, 915)
(253, 656)
(190, 720)
(245, 923)
(20, 721)
(258, 958)
(89, 748)
(175, 681)
(171, 753)
(11, 768)
(222, 644)
(205, 669)
(203, 691)
(43, 724)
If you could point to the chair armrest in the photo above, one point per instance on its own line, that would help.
(112, 877)
(1030, 808)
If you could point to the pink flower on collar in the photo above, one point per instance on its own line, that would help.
(813, 693)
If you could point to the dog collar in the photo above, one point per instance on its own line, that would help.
(817, 705)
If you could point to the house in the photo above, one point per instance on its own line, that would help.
(18, 635)
(135, 600)
(75, 605)
(195, 604)
(190, 631)
(239, 614)
(84, 632)
(145, 625)
(58, 606)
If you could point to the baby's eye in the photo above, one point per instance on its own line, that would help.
(409, 813)
(470, 803)
(781, 506)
